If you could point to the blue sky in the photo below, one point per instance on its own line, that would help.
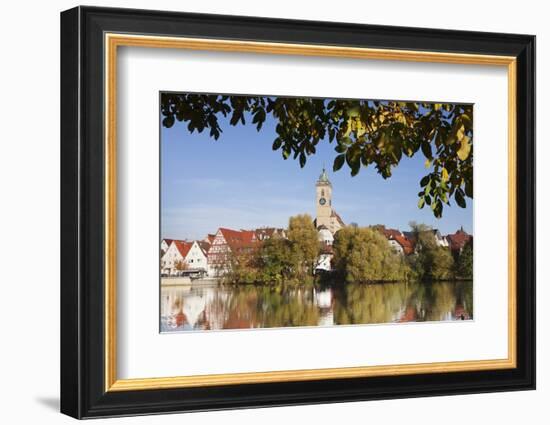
(239, 182)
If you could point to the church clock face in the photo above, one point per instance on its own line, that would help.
(322, 201)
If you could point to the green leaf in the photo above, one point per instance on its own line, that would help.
(286, 152)
(353, 111)
(425, 180)
(438, 209)
(466, 121)
(168, 121)
(237, 115)
(259, 118)
(338, 162)
(421, 203)
(340, 148)
(365, 158)
(353, 156)
(459, 198)
(302, 160)
(277, 144)
(469, 189)
(427, 150)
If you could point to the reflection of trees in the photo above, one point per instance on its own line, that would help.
(377, 303)
(290, 307)
(440, 300)
(389, 302)
(259, 306)
(251, 306)
(278, 306)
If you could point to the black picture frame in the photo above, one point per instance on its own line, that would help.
(83, 392)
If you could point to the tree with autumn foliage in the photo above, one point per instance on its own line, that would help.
(181, 266)
(304, 242)
(362, 254)
(364, 133)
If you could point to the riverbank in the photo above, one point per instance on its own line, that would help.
(187, 281)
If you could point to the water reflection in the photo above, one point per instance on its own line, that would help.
(203, 307)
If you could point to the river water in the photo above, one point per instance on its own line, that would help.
(213, 307)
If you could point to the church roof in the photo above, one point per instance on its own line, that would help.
(338, 218)
(323, 178)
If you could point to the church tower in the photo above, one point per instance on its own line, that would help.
(326, 216)
(323, 200)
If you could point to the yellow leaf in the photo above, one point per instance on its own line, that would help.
(360, 128)
(465, 148)
(348, 128)
(437, 106)
(460, 133)
(353, 111)
(444, 175)
(427, 163)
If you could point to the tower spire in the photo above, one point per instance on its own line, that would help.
(323, 178)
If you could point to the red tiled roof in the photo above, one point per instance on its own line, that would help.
(389, 233)
(396, 235)
(168, 241)
(210, 237)
(238, 239)
(183, 247)
(458, 239)
(406, 244)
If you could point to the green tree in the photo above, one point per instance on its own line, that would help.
(277, 263)
(465, 262)
(363, 254)
(278, 260)
(241, 266)
(366, 132)
(430, 261)
(304, 242)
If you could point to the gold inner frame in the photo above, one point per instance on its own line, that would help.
(113, 41)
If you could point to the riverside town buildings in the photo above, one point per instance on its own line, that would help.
(211, 255)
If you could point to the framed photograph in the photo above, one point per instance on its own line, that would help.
(261, 212)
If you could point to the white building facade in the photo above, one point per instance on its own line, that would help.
(183, 255)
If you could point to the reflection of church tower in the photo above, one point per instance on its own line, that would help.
(326, 216)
